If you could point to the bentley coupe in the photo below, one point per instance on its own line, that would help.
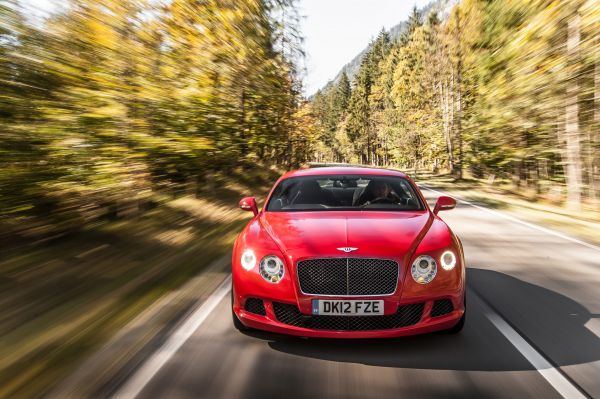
(348, 252)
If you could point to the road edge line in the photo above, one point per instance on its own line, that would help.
(552, 374)
(517, 220)
(136, 383)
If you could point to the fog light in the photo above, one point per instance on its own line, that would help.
(271, 268)
(423, 269)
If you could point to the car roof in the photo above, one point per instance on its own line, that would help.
(343, 170)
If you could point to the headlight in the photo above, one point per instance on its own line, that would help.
(448, 260)
(271, 268)
(248, 259)
(423, 269)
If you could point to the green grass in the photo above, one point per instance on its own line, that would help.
(62, 299)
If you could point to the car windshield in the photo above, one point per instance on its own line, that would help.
(344, 192)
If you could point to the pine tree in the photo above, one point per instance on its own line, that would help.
(414, 21)
(359, 129)
(341, 95)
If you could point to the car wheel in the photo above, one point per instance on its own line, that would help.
(461, 323)
(236, 322)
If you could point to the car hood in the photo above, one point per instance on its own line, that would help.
(393, 235)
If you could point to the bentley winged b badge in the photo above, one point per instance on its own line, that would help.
(346, 249)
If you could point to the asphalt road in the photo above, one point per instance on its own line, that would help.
(545, 287)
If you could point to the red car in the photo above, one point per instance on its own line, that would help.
(347, 252)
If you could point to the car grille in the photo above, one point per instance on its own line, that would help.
(348, 276)
(406, 315)
(256, 306)
(441, 307)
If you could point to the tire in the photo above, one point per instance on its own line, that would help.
(461, 323)
(236, 322)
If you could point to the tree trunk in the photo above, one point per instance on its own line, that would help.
(459, 118)
(445, 104)
(450, 107)
(243, 144)
(572, 133)
(368, 147)
(458, 91)
(385, 151)
(595, 139)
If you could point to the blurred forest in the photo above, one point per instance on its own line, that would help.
(106, 104)
(487, 88)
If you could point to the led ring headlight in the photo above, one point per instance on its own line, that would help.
(271, 268)
(448, 260)
(423, 269)
(248, 259)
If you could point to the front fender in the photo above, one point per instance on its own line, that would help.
(449, 283)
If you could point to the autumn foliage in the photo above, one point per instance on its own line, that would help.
(109, 104)
(504, 89)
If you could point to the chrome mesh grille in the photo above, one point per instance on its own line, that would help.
(348, 276)
(406, 315)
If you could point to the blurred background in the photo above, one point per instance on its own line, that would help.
(494, 89)
(129, 129)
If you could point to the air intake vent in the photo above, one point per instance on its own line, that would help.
(256, 306)
(407, 315)
(441, 307)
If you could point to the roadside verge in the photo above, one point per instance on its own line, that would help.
(103, 372)
(582, 225)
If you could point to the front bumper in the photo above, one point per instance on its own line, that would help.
(426, 321)
(448, 286)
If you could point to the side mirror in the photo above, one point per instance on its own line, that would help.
(444, 204)
(249, 204)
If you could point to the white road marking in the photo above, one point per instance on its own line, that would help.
(558, 381)
(148, 370)
(594, 326)
(516, 220)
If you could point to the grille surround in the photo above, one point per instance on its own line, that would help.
(405, 316)
(348, 277)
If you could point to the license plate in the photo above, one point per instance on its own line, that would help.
(354, 307)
